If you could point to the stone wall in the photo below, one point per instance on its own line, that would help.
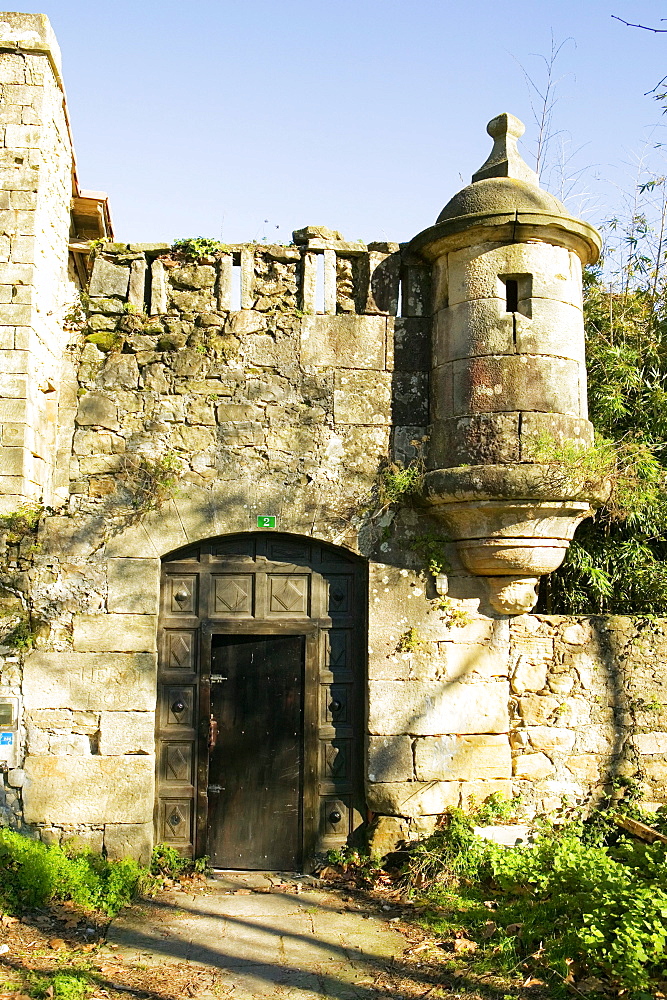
(36, 186)
(275, 408)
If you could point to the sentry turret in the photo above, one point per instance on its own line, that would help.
(508, 369)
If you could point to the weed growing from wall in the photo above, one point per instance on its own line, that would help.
(431, 550)
(410, 641)
(197, 247)
(399, 483)
(150, 482)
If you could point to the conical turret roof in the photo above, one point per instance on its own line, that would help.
(505, 201)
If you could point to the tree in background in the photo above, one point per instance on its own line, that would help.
(617, 562)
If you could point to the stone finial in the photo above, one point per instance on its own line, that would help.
(505, 159)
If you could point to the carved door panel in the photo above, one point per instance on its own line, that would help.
(255, 778)
(268, 594)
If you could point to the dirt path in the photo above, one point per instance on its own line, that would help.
(264, 936)
(239, 935)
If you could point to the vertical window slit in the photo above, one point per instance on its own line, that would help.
(319, 284)
(511, 295)
(235, 303)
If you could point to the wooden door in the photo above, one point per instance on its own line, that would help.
(221, 599)
(255, 778)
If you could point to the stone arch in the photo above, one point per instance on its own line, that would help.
(278, 593)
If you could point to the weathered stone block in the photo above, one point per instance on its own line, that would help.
(427, 708)
(114, 632)
(344, 341)
(89, 681)
(76, 537)
(474, 272)
(127, 733)
(533, 766)
(100, 465)
(411, 346)
(529, 676)
(473, 329)
(475, 793)
(241, 434)
(390, 758)
(193, 276)
(413, 798)
(465, 660)
(518, 382)
(573, 712)
(119, 371)
(553, 739)
(555, 427)
(386, 834)
(109, 279)
(362, 398)
(91, 789)
(409, 398)
(597, 739)
(466, 758)
(578, 634)
(584, 766)
(129, 840)
(200, 412)
(69, 745)
(246, 321)
(486, 438)
(51, 718)
(133, 585)
(97, 409)
(537, 709)
(92, 840)
(193, 438)
(650, 743)
(357, 449)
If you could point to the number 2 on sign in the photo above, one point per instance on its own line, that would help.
(266, 521)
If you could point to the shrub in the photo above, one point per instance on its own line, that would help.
(197, 247)
(35, 874)
(562, 902)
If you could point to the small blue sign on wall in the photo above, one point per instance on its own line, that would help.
(6, 739)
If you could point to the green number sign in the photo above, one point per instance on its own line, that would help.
(266, 521)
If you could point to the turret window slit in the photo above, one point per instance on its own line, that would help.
(511, 295)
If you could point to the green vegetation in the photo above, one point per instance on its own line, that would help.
(151, 482)
(581, 907)
(22, 521)
(398, 483)
(583, 900)
(618, 562)
(197, 247)
(21, 636)
(431, 550)
(168, 862)
(34, 874)
(410, 641)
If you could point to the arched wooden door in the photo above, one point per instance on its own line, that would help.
(260, 700)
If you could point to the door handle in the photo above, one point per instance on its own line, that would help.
(212, 733)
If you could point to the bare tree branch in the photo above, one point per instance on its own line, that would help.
(644, 27)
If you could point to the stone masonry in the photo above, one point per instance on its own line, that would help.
(197, 394)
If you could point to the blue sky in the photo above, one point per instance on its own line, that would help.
(245, 119)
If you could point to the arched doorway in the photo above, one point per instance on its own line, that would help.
(260, 700)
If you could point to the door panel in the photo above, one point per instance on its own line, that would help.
(269, 588)
(256, 767)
